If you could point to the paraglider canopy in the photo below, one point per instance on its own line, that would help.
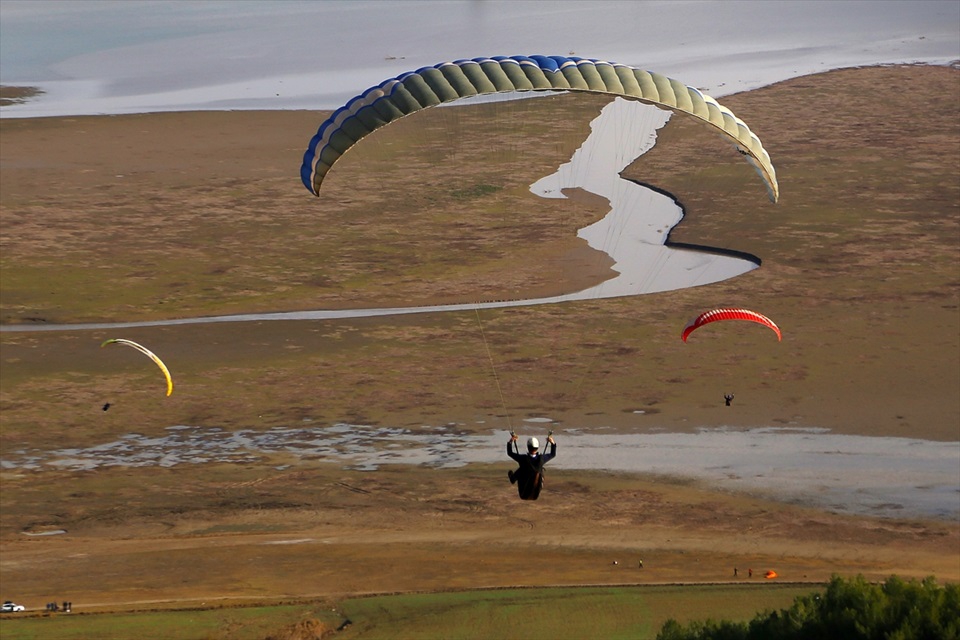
(716, 315)
(447, 82)
(142, 349)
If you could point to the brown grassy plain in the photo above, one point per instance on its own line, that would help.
(177, 215)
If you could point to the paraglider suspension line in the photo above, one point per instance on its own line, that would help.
(493, 368)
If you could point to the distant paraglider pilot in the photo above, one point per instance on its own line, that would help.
(728, 397)
(529, 474)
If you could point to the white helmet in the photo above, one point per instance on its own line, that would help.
(533, 444)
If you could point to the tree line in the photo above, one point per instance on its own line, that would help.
(852, 609)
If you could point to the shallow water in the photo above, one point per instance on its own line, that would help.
(93, 57)
(896, 477)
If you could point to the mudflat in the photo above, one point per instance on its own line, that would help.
(176, 215)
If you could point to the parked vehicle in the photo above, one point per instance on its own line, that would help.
(10, 607)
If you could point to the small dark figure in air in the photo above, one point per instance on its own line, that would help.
(529, 475)
(728, 397)
(106, 406)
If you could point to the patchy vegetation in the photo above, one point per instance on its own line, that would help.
(17, 95)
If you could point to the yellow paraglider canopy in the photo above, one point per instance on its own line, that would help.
(150, 354)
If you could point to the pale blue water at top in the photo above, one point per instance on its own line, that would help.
(114, 56)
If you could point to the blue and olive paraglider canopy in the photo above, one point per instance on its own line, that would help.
(450, 81)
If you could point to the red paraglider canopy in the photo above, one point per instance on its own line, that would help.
(728, 314)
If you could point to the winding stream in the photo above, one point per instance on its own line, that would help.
(634, 232)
